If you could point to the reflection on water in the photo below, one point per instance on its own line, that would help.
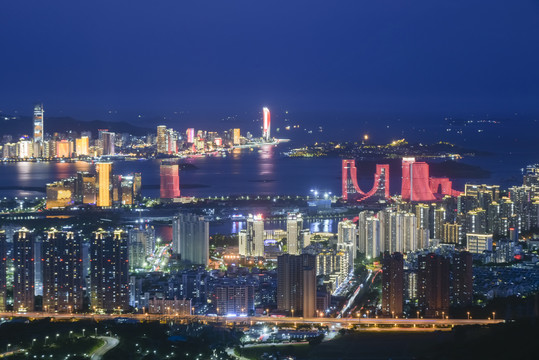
(327, 225)
(234, 227)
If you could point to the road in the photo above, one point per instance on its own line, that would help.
(343, 322)
(110, 343)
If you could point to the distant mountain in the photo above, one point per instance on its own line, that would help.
(23, 126)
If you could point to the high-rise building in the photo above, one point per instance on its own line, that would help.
(433, 285)
(190, 135)
(255, 235)
(237, 137)
(82, 146)
(347, 239)
(38, 129)
(108, 139)
(141, 245)
(266, 129)
(109, 271)
(162, 139)
(3, 268)
(62, 271)
(452, 234)
(372, 237)
(170, 182)
(190, 238)
(296, 284)
(415, 181)
(477, 243)
(237, 299)
(392, 284)
(24, 275)
(439, 221)
(64, 149)
(350, 187)
(104, 184)
(294, 225)
(86, 188)
(60, 194)
(462, 278)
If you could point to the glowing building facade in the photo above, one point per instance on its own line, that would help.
(350, 187)
(170, 182)
(190, 135)
(266, 128)
(104, 184)
(417, 185)
(38, 123)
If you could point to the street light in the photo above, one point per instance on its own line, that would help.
(7, 347)
(468, 313)
(418, 314)
(33, 341)
(493, 315)
(46, 337)
(83, 331)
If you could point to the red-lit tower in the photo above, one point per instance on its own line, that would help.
(266, 133)
(350, 187)
(170, 182)
(415, 181)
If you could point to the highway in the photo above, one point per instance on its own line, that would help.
(110, 343)
(343, 322)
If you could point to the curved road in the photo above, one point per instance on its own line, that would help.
(110, 343)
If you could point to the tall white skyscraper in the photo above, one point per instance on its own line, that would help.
(372, 237)
(38, 130)
(255, 235)
(347, 239)
(294, 226)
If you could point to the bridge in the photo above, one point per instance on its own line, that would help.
(251, 320)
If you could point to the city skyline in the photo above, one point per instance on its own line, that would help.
(269, 180)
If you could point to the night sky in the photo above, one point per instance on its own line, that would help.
(85, 58)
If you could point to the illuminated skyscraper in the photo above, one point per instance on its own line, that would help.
(109, 266)
(64, 148)
(237, 137)
(3, 267)
(266, 129)
(162, 139)
(38, 128)
(172, 147)
(191, 238)
(82, 146)
(170, 182)
(350, 186)
(294, 225)
(347, 239)
(62, 271)
(255, 235)
(190, 135)
(24, 276)
(104, 184)
(108, 139)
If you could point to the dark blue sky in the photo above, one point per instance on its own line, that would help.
(83, 58)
